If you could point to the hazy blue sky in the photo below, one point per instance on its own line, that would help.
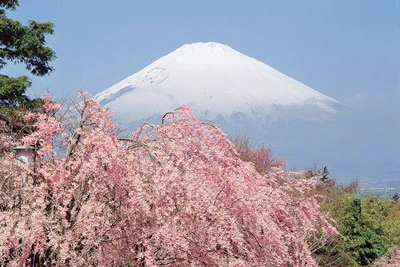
(341, 48)
(349, 50)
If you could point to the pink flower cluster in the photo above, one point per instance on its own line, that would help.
(172, 194)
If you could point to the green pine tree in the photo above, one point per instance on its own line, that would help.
(25, 44)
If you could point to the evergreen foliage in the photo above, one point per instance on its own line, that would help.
(368, 226)
(25, 44)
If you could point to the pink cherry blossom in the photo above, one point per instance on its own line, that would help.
(172, 194)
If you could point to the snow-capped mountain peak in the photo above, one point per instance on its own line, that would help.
(215, 80)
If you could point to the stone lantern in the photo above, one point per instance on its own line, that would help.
(25, 153)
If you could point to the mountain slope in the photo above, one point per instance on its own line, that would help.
(216, 81)
(246, 95)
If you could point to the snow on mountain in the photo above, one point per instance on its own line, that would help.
(216, 81)
(245, 95)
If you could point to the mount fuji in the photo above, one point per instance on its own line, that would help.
(243, 94)
(239, 93)
(219, 83)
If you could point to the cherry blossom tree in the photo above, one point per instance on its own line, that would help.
(391, 259)
(173, 194)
